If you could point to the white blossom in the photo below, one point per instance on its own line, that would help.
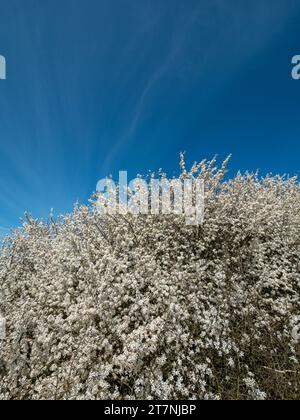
(146, 307)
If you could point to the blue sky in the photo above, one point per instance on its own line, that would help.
(98, 86)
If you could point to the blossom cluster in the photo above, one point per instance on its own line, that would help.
(101, 306)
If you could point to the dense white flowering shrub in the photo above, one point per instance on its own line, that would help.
(145, 307)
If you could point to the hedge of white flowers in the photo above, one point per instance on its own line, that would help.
(146, 307)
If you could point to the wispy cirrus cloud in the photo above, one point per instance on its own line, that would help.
(208, 42)
(90, 83)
